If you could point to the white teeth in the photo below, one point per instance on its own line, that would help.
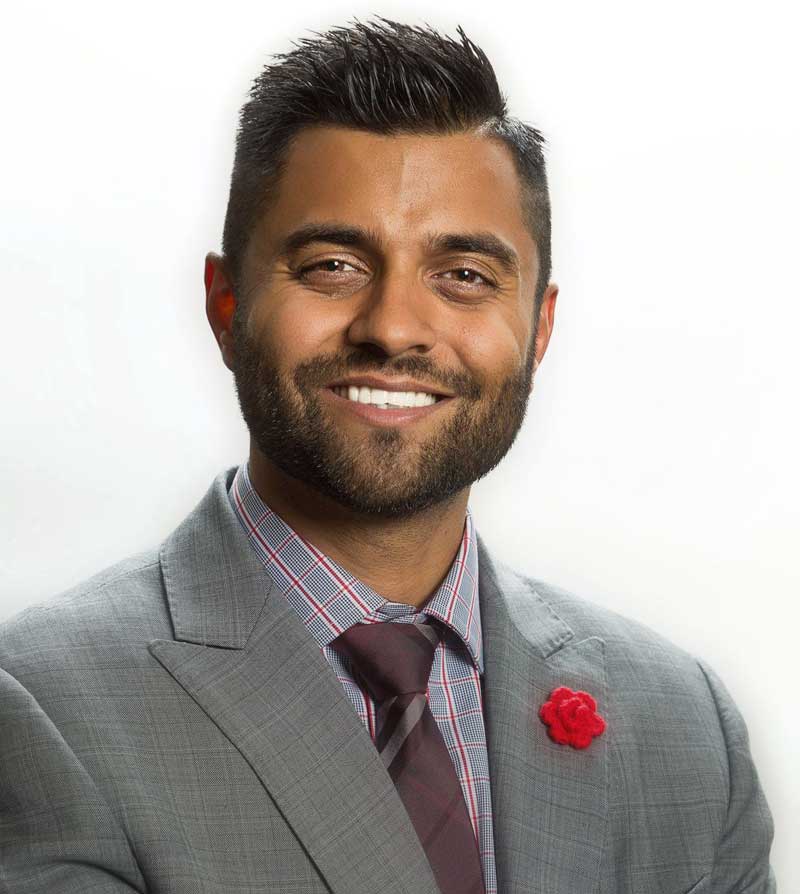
(382, 398)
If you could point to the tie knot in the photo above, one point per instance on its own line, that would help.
(391, 658)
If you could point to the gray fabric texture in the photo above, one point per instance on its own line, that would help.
(169, 726)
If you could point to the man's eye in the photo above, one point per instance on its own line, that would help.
(329, 265)
(465, 275)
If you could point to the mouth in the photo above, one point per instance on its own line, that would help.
(384, 407)
(385, 398)
(394, 385)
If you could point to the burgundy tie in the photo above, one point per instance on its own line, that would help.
(394, 661)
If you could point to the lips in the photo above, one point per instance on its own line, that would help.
(391, 416)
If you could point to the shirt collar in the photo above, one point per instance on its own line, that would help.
(329, 599)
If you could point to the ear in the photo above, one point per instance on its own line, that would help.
(220, 305)
(544, 329)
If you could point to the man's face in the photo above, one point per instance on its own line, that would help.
(377, 297)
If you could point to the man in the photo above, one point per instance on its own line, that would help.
(322, 680)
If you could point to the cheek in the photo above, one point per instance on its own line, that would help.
(294, 330)
(492, 350)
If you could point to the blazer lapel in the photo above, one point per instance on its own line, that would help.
(550, 801)
(241, 652)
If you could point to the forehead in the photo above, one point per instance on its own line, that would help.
(402, 186)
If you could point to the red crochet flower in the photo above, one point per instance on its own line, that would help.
(571, 717)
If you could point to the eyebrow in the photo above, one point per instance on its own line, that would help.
(481, 242)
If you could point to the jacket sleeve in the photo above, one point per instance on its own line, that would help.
(741, 865)
(57, 833)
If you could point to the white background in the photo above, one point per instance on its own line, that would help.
(657, 469)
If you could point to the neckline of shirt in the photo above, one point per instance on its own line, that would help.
(455, 603)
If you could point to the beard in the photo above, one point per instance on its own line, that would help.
(385, 472)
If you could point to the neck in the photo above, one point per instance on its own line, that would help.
(403, 560)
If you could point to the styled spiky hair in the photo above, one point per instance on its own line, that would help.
(383, 77)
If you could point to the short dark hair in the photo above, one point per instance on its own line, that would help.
(386, 78)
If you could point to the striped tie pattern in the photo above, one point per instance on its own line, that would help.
(393, 662)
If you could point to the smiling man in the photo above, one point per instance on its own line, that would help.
(322, 680)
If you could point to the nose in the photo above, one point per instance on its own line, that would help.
(394, 316)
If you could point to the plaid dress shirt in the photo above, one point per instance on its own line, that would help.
(329, 599)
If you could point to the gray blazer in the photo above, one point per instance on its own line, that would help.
(170, 726)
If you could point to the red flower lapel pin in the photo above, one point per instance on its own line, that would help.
(572, 717)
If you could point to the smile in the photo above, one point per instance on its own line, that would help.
(379, 397)
(382, 407)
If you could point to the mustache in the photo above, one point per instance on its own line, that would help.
(318, 371)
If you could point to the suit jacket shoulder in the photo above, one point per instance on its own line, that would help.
(634, 653)
(121, 606)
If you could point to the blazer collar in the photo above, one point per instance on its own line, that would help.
(549, 801)
(513, 602)
(216, 587)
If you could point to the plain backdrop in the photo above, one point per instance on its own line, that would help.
(656, 472)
